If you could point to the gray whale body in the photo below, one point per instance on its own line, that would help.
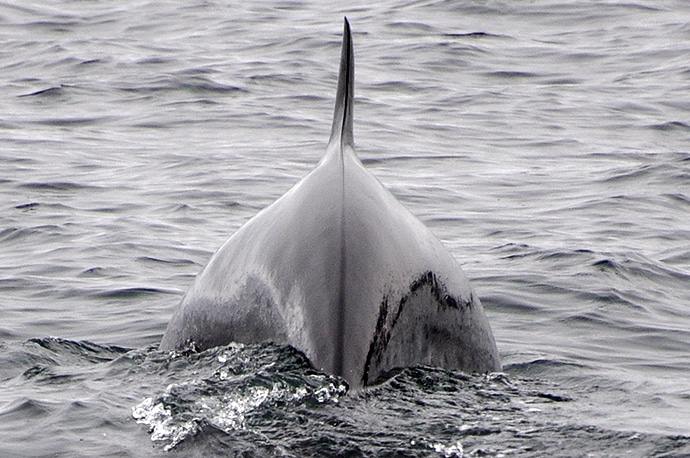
(339, 269)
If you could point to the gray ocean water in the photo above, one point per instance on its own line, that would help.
(547, 143)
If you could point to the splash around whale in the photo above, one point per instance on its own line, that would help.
(339, 269)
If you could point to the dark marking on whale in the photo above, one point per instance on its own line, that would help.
(389, 316)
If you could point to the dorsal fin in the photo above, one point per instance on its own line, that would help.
(342, 116)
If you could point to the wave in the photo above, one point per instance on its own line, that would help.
(264, 399)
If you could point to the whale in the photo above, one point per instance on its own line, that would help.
(338, 268)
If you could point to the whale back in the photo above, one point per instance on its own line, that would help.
(338, 268)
